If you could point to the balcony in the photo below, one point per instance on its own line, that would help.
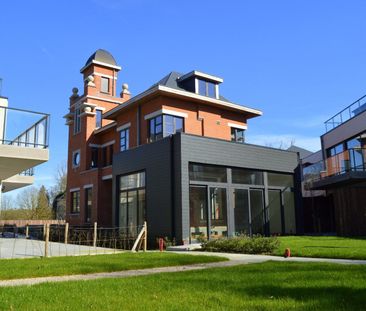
(23, 144)
(345, 167)
(346, 114)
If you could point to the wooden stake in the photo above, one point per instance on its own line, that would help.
(95, 235)
(66, 232)
(145, 236)
(47, 240)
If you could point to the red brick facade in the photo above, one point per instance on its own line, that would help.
(201, 117)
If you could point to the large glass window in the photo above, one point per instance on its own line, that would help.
(241, 211)
(274, 212)
(198, 212)
(246, 176)
(75, 202)
(335, 150)
(206, 88)
(124, 139)
(218, 213)
(201, 172)
(256, 210)
(289, 212)
(164, 125)
(237, 135)
(132, 202)
(280, 180)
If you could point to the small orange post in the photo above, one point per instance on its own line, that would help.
(161, 244)
(287, 253)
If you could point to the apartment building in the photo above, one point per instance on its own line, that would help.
(23, 145)
(336, 181)
(174, 155)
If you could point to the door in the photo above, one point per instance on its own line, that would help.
(198, 212)
(256, 199)
(275, 212)
(218, 213)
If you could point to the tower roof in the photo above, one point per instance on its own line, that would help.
(101, 57)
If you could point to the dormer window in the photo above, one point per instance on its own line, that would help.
(104, 85)
(206, 88)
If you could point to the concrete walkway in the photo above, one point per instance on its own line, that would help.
(234, 260)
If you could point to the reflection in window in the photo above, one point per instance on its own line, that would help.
(98, 118)
(237, 135)
(280, 180)
(75, 202)
(164, 125)
(206, 88)
(201, 172)
(132, 203)
(245, 176)
(124, 139)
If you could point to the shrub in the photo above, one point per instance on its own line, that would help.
(243, 244)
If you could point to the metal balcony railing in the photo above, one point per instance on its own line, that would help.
(351, 160)
(32, 126)
(346, 114)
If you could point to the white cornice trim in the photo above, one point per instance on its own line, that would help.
(165, 111)
(203, 75)
(103, 75)
(74, 189)
(88, 186)
(123, 127)
(238, 126)
(106, 177)
(104, 99)
(100, 63)
(104, 128)
(108, 143)
(209, 99)
(185, 94)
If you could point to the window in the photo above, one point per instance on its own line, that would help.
(124, 139)
(107, 155)
(98, 118)
(77, 121)
(76, 158)
(335, 150)
(237, 135)
(104, 85)
(206, 88)
(280, 180)
(94, 157)
(88, 204)
(164, 125)
(131, 213)
(245, 176)
(75, 202)
(200, 172)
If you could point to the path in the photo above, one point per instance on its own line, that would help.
(234, 260)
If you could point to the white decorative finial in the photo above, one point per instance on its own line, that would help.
(90, 80)
(125, 90)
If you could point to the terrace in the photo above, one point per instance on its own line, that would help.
(344, 167)
(23, 145)
(346, 114)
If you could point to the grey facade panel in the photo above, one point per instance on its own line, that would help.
(155, 160)
(167, 175)
(219, 152)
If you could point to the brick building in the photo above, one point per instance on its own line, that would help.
(174, 155)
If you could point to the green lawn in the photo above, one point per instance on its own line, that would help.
(38, 267)
(267, 286)
(328, 247)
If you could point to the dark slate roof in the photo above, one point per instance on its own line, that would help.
(102, 56)
(171, 81)
(303, 152)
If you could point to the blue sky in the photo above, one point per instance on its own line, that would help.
(299, 62)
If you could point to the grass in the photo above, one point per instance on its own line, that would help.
(39, 267)
(325, 247)
(267, 286)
